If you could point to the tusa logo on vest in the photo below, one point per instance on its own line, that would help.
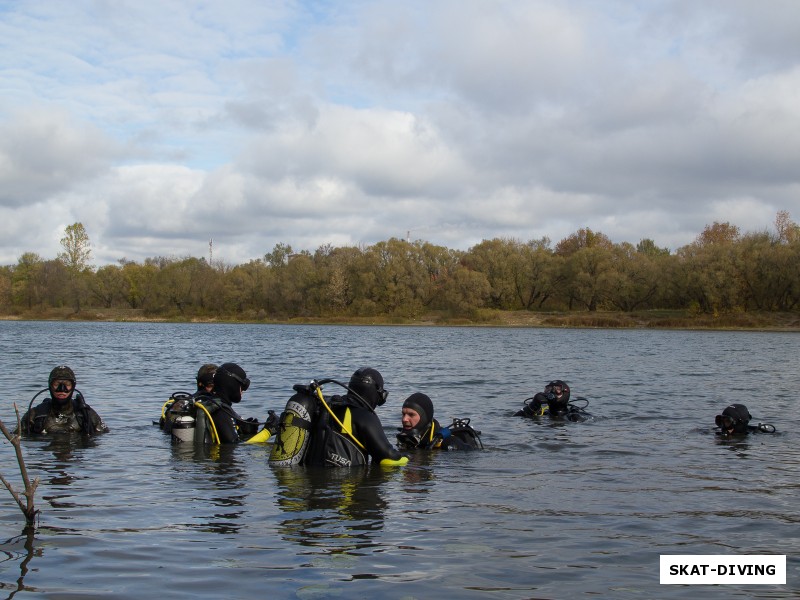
(339, 461)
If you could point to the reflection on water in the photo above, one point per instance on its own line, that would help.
(331, 510)
(10, 551)
(66, 467)
(418, 476)
(221, 480)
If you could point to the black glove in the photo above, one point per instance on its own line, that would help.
(408, 438)
(533, 408)
(249, 426)
(271, 424)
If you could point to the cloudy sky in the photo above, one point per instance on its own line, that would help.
(161, 125)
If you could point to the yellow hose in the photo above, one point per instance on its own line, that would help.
(164, 407)
(214, 434)
(335, 418)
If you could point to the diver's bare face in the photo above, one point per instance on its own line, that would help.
(410, 418)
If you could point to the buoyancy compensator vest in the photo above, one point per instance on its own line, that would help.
(295, 428)
(307, 432)
(333, 448)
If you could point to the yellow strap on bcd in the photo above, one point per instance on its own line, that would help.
(348, 420)
(345, 428)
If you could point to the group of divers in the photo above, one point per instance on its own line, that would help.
(341, 430)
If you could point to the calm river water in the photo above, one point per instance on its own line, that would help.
(546, 511)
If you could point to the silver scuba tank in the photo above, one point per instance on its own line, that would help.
(183, 428)
(179, 418)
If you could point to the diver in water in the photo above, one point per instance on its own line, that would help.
(343, 431)
(180, 403)
(421, 431)
(735, 420)
(230, 382)
(205, 379)
(64, 411)
(553, 402)
(365, 392)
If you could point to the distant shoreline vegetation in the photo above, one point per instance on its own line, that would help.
(488, 318)
(722, 280)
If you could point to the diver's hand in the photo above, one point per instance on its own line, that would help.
(271, 424)
(408, 438)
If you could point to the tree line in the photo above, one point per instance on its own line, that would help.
(722, 270)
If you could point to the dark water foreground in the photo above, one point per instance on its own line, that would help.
(547, 511)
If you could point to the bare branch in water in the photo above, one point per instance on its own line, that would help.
(27, 507)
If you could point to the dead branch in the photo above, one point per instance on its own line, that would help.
(26, 507)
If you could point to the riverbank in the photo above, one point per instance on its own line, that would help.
(661, 319)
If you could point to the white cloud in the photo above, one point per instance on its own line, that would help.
(43, 152)
(161, 127)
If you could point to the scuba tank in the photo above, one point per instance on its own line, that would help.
(294, 428)
(200, 427)
(205, 430)
(179, 417)
(293, 436)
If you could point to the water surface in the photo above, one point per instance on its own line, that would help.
(546, 511)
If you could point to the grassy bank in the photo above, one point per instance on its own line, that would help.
(605, 320)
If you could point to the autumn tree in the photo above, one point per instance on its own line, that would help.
(5, 287)
(465, 292)
(634, 279)
(185, 283)
(496, 259)
(709, 275)
(299, 288)
(279, 257)
(108, 285)
(769, 272)
(77, 248)
(648, 248)
(76, 255)
(587, 278)
(721, 270)
(398, 279)
(337, 266)
(587, 257)
(583, 238)
(26, 280)
(536, 273)
(718, 233)
(787, 230)
(246, 287)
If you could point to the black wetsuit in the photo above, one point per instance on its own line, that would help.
(73, 415)
(230, 426)
(539, 407)
(761, 428)
(459, 436)
(332, 445)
